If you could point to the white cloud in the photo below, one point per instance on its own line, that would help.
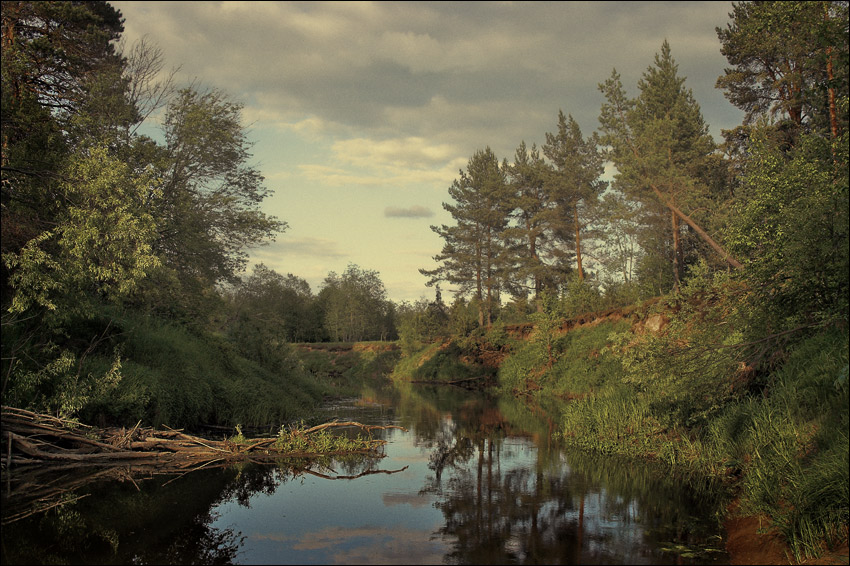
(412, 152)
(310, 247)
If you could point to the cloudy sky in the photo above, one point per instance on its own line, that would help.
(362, 113)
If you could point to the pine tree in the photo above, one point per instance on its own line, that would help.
(538, 240)
(473, 255)
(577, 164)
(659, 142)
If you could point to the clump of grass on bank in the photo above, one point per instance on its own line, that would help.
(571, 364)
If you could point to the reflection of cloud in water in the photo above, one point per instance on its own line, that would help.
(377, 545)
(412, 499)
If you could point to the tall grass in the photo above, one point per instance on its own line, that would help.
(791, 447)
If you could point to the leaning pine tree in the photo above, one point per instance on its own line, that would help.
(658, 142)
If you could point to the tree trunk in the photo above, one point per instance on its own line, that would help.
(669, 203)
(578, 243)
(702, 233)
(677, 252)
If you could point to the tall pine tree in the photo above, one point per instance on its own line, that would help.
(658, 142)
(538, 240)
(574, 181)
(473, 255)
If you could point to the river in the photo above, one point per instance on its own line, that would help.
(472, 480)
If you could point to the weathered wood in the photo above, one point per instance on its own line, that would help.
(31, 428)
(35, 438)
(32, 450)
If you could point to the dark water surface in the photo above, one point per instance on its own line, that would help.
(472, 481)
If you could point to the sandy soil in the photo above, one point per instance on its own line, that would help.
(746, 545)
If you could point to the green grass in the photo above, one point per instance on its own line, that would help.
(438, 363)
(581, 362)
(791, 447)
(173, 377)
(784, 449)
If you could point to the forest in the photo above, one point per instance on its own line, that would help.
(125, 293)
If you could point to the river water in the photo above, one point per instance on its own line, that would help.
(472, 480)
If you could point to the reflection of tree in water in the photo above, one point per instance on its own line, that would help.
(196, 543)
(501, 508)
(449, 455)
(157, 520)
(500, 516)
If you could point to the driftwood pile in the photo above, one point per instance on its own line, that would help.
(58, 457)
(31, 438)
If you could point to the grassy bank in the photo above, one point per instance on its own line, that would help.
(780, 439)
(171, 376)
(344, 366)
(441, 362)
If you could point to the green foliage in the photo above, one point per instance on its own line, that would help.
(101, 245)
(60, 387)
(422, 323)
(344, 368)
(573, 183)
(537, 242)
(463, 316)
(238, 438)
(778, 54)
(472, 256)
(269, 311)
(792, 226)
(565, 364)
(171, 376)
(297, 441)
(547, 323)
(661, 147)
(580, 296)
(355, 306)
(692, 365)
(446, 364)
(791, 447)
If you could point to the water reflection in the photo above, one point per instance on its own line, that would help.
(129, 516)
(475, 480)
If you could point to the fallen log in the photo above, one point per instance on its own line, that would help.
(34, 438)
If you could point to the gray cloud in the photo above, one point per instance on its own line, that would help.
(357, 104)
(415, 211)
(499, 71)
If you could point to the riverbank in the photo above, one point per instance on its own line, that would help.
(658, 383)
